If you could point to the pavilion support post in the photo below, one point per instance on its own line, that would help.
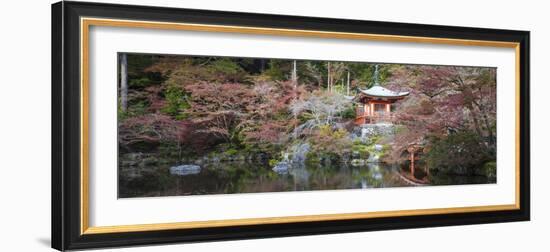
(372, 112)
(366, 113)
(388, 116)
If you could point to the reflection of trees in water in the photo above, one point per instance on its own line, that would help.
(375, 175)
(243, 177)
(300, 177)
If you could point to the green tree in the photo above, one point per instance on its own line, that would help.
(461, 152)
(176, 102)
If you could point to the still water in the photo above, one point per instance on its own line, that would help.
(247, 177)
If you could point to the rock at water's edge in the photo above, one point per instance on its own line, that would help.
(183, 170)
(281, 167)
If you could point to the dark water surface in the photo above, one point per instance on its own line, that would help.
(247, 177)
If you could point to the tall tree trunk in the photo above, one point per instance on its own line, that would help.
(475, 120)
(123, 82)
(490, 133)
(328, 76)
(294, 74)
(347, 88)
(262, 65)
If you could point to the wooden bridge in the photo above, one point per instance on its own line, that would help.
(413, 151)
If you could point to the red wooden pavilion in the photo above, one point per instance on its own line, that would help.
(374, 105)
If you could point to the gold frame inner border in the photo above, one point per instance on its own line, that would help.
(86, 23)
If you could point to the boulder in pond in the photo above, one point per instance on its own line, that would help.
(183, 170)
(299, 152)
(357, 162)
(373, 159)
(281, 167)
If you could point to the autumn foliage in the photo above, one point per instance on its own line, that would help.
(193, 106)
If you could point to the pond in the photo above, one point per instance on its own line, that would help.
(250, 177)
(253, 177)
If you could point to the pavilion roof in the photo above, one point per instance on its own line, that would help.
(381, 92)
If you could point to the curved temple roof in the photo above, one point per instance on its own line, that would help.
(378, 91)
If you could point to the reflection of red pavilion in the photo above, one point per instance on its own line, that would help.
(375, 103)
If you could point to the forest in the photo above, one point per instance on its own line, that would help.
(210, 125)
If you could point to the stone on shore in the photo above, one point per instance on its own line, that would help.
(281, 167)
(183, 170)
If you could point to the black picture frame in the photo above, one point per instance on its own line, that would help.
(66, 114)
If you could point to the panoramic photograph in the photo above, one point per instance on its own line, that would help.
(200, 125)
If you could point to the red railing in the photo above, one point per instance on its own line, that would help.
(376, 118)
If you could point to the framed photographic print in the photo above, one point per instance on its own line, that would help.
(179, 125)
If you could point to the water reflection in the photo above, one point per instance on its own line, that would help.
(246, 177)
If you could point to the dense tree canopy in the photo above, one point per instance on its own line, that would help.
(198, 105)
